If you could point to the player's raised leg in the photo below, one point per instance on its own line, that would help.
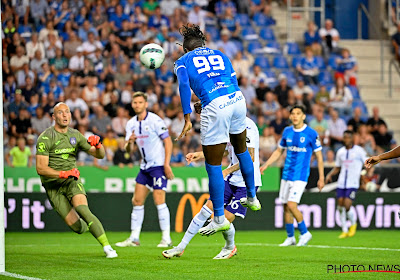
(95, 227)
(350, 213)
(163, 217)
(137, 215)
(213, 155)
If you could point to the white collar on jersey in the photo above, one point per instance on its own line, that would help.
(300, 129)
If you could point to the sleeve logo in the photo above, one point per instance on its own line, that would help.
(72, 140)
(41, 147)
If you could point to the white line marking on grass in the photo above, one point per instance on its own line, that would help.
(19, 276)
(323, 247)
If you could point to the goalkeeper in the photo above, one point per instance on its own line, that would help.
(57, 148)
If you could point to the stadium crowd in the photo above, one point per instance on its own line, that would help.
(86, 54)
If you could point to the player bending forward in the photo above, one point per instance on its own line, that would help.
(150, 134)
(394, 153)
(209, 73)
(235, 189)
(349, 162)
(56, 152)
(300, 141)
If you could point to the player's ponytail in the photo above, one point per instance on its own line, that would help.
(193, 37)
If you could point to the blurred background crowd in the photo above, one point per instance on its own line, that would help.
(86, 54)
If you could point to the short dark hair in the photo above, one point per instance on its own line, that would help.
(140, 94)
(301, 107)
(193, 37)
(350, 132)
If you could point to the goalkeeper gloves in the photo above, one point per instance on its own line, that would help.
(73, 173)
(94, 141)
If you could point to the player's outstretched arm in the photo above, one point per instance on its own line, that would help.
(43, 169)
(332, 173)
(168, 151)
(395, 153)
(274, 157)
(192, 157)
(97, 150)
(320, 161)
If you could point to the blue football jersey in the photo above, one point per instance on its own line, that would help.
(300, 144)
(210, 72)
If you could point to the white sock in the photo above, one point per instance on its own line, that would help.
(197, 222)
(351, 216)
(229, 236)
(164, 219)
(107, 247)
(343, 218)
(219, 219)
(136, 222)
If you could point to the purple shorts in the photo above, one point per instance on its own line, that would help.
(153, 178)
(232, 196)
(346, 193)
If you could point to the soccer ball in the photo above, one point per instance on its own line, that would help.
(152, 56)
(371, 187)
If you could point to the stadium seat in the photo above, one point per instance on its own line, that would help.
(244, 19)
(292, 48)
(248, 33)
(254, 46)
(280, 62)
(238, 45)
(359, 103)
(214, 32)
(354, 92)
(290, 76)
(320, 63)
(325, 77)
(274, 47)
(332, 62)
(272, 81)
(295, 60)
(267, 34)
(315, 88)
(263, 62)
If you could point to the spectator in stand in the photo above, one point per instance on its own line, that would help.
(278, 124)
(249, 93)
(242, 65)
(165, 77)
(21, 155)
(51, 45)
(100, 123)
(17, 104)
(308, 68)
(269, 106)
(83, 75)
(303, 94)
(366, 139)
(71, 45)
(374, 121)
(177, 124)
(197, 16)
(118, 123)
(336, 127)
(23, 74)
(121, 157)
(396, 43)
(90, 46)
(340, 97)
(29, 89)
(322, 96)
(112, 107)
(10, 88)
(149, 7)
(330, 37)
(284, 92)
(347, 67)
(108, 91)
(319, 124)
(383, 139)
(228, 21)
(76, 63)
(122, 76)
(267, 143)
(222, 5)
(21, 126)
(261, 124)
(256, 76)
(59, 62)
(177, 158)
(41, 122)
(265, 18)
(62, 16)
(330, 159)
(55, 89)
(261, 91)
(90, 93)
(38, 9)
(17, 61)
(78, 108)
(34, 45)
(168, 7)
(33, 105)
(48, 103)
(157, 20)
(312, 39)
(356, 120)
(225, 45)
(173, 108)
(85, 29)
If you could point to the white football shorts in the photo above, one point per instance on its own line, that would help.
(291, 191)
(223, 116)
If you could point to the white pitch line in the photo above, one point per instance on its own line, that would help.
(19, 276)
(323, 247)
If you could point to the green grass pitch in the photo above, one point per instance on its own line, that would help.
(71, 256)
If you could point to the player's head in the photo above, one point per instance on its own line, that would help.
(193, 37)
(348, 138)
(61, 115)
(297, 115)
(139, 102)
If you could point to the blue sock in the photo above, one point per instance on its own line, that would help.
(302, 227)
(290, 230)
(216, 187)
(247, 169)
